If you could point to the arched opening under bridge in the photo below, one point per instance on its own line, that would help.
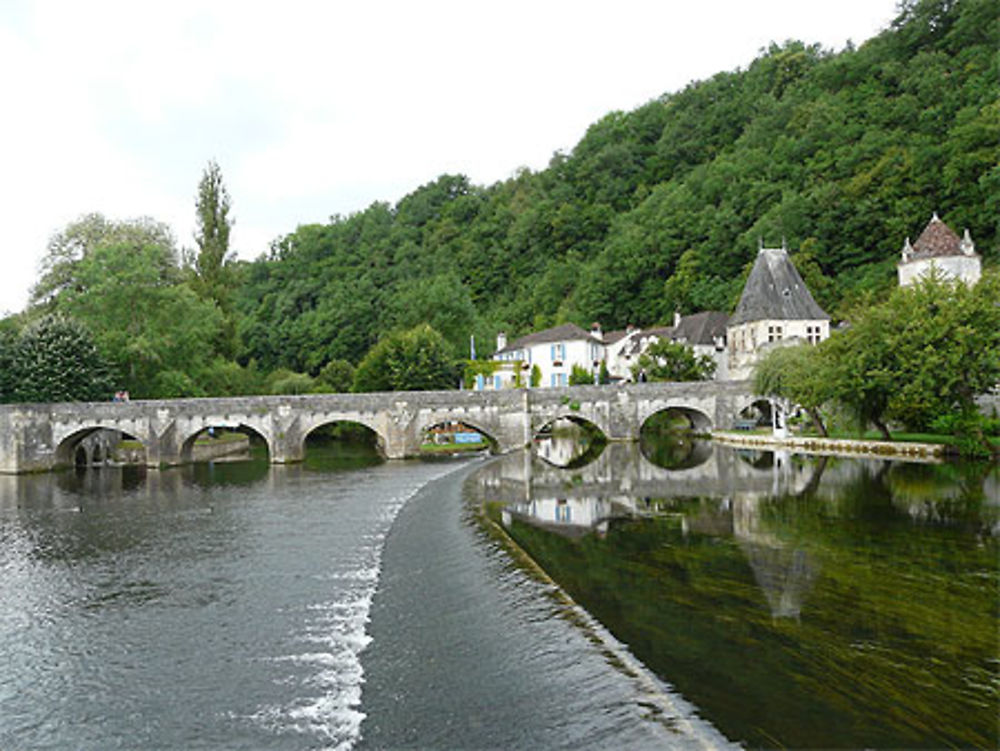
(569, 442)
(451, 437)
(225, 442)
(672, 438)
(96, 446)
(759, 413)
(341, 444)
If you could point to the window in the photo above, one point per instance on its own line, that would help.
(563, 513)
(813, 334)
(774, 333)
(558, 379)
(558, 352)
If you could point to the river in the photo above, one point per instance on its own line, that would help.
(718, 598)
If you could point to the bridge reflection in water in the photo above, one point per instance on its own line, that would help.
(796, 601)
(623, 483)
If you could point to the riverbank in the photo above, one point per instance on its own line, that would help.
(914, 452)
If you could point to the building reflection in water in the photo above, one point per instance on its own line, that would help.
(712, 490)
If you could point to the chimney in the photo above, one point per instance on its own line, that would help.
(677, 318)
(501, 340)
(595, 331)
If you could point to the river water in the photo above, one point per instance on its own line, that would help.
(720, 598)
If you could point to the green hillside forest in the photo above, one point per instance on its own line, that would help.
(840, 155)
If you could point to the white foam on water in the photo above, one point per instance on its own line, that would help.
(336, 634)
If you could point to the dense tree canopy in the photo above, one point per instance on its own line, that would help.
(927, 351)
(54, 359)
(414, 360)
(657, 210)
(661, 209)
(665, 360)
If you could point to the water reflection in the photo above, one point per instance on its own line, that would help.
(797, 601)
(567, 444)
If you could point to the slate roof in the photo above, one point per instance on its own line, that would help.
(775, 291)
(937, 240)
(701, 328)
(565, 333)
(611, 337)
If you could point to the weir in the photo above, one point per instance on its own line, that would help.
(39, 437)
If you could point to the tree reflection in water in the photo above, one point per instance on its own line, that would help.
(796, 601)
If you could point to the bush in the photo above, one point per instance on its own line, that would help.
(293, 384)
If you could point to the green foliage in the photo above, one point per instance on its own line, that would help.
(414, 360)
(336, 376)
(665, 360)
(660, 209)
(145, 320)
(925, 353)
(291, 384)
(212, 207)
(54, 360)
(223, 377)
(580, 376)
(213, 264)
(797, 375)
(69, 248)
(485, 368)
(536, 376)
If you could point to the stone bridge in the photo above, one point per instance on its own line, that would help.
(37, 437)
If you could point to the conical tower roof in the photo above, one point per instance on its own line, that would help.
(936, 241)
(775, 291)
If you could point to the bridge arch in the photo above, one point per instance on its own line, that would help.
(473, 425)
(316, 421)
(483, 422)
(82, 446)
(540, 422)
(698, 420)
(187, 445)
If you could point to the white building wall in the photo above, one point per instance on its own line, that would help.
(964, 268)
(555, 361)
(748, 340)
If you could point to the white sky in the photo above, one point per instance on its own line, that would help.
(318, 108)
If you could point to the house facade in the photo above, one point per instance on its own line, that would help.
(553, 351)
(939, 248)
(775, 308)
(704, 332)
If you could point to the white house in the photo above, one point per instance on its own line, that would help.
(775, 307)
(704, 332)
(553, 351)
(618, 350)
(938, 247)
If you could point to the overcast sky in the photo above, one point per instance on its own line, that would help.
(319, 108)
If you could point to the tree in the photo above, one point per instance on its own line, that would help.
(337, 376)
(69, 248)
(580, 376)
(927, 351)
(145, 320)
(8, 377)
(665, 360)
(795, 375)
(212, 235)
(55, 360)
(414, 360)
